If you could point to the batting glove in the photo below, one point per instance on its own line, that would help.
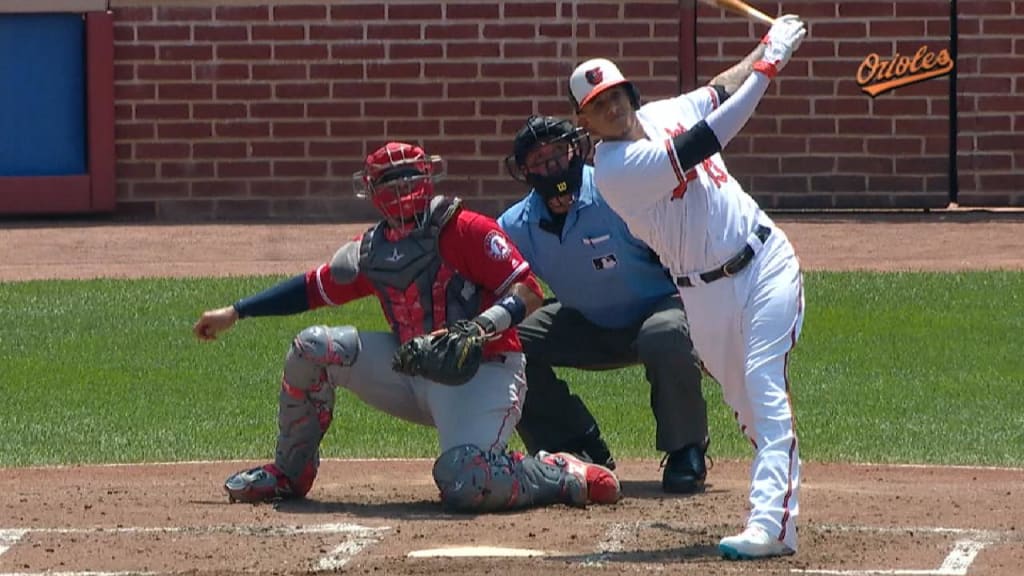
(781, 41)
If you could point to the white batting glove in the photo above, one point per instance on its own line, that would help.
(781, 41)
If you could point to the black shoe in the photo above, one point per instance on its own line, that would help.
(685, 470)
(596, 450)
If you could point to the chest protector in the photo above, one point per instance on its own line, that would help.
(418, 290)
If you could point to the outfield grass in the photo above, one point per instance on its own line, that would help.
(890, 368)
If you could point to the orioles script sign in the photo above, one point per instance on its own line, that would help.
(877, 75)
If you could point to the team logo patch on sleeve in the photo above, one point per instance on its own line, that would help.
(497, 246)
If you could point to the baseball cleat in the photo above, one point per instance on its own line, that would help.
(751, 544)
(685, 470)
(602, 485)
(263, 484)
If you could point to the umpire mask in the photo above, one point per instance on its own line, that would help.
(548, 155)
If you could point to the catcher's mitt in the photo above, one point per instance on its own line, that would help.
(449, 357)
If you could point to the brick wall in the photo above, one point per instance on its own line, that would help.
(254, 110)
(250, 111)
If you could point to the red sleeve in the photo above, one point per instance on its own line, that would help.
(323, 289)
(478, 248)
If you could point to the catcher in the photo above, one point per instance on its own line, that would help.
(452, 288)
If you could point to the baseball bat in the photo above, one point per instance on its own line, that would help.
(742, 8)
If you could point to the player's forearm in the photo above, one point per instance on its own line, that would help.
(288, 297)
(733, 78)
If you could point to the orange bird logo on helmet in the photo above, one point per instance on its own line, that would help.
(594, 76)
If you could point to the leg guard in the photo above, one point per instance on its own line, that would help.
(473, 480)
(306, 404)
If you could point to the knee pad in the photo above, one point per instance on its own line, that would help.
(316, 348)
(475, 480)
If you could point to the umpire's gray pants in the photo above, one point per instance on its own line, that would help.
(555, 336)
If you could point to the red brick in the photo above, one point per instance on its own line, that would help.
(190, 53)
(161, 111)
(351, 12)
(129, 52)
(336, 71)
(413, 11)
(242, 13)
(394, 32)
(279, 188)
(557, 31)
(810, 164)
(135, 170)
(986, 7)
(905, 126)
(279, 32)
(134, 131)
(503, 30)
(307, 12)
(999, 142)
(358, 90)
(894, 146)
(840, 106)
(449, 70)
(651, 10)
(337, 32)
(357, 51)
(336, 149)
(471, 11)
(985, 45)
(839, 29)
(279, 72)
(302, 91)
(155, 189)
(310, 129)
(476, 50)
(890, 28)
(937, 29)
(184, 130)
(752, 165)
(896, 183)
(183, 14)
(865, 164)
(220, 33)
(158, 150)
(481, 89)
(185, 91)
(450, 108)
(1002, 65)
(187, 169)
(243, 52)
(900, 107)
(999, 27)
(515, 70)
(472, 127)
(415, 50)
(384, 70)
(779, 145)
(360, 128)
(416, 90)
(123, 34)
(451, 32)
(808, 125)
(277, 149)
(133, 14)
(649, 48)
(866, 9)
(465, 167)
(219, 111)
(249, 169)
(910, 8)
(390, 110)
(598, 11)
(221, 72)
(276, 110)
(301, 52)
(521, 50)
(304, 169)
(242, 129)
(163, 33)
(1013, 182)
(218, 188)
(414, 129)
(246, 91)
(542, 10)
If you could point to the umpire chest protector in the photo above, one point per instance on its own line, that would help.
(418, 290)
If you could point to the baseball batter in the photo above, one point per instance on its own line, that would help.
(659, 166)
(433, 266)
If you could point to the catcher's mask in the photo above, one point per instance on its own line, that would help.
(399, 179)
(548, 154)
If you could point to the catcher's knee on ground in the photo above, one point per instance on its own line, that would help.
(474, 480)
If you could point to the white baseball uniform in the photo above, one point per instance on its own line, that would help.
(743, 326)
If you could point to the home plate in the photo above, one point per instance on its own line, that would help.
(474, 552)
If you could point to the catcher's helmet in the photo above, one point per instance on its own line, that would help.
(561, 172)
(594, 77)
(399, 179)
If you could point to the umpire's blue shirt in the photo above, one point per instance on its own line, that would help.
(596, 266)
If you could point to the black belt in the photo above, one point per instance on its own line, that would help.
(733, 266)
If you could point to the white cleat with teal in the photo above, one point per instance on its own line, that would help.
(751, 544)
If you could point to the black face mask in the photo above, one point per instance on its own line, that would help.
(555, 185)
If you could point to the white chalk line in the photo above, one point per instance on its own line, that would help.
(614, 540)
(359, 538)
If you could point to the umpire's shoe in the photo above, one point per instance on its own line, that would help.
(266, 484)
(685, 470)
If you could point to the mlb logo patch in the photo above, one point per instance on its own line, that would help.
(606, 262)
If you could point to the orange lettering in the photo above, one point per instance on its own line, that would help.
(876, 76)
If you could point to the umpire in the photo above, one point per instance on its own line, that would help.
(616, 306)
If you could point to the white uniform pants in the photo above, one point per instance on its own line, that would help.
(744, 328)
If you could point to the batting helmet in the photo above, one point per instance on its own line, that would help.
(595, 76)
(557, 176)
(399, 179)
